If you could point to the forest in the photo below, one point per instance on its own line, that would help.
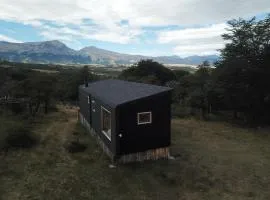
(236, 88)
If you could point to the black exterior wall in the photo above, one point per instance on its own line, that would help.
(83, 104)
(138, 138)
(135, 138)
(92, 113)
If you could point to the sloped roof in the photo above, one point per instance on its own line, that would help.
(116, 92)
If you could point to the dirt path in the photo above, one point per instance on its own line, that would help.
(60, 125)
(56, 133)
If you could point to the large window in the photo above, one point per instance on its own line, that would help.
(144, 118)
(106, 122)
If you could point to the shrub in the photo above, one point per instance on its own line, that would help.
(16, 108)
(180, 111)
(75, 147)
(14, 134)
(20, 137)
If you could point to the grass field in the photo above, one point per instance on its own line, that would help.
(213, 161)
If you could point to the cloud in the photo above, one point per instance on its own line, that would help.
(116, 34)
(106, 17)
(202, 49)
(191, 41)
(8, 39)
(139, 13)
(54, 36)
(191, 34)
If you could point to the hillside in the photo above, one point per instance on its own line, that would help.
(57, 52)
(41, 52)
(214, 160)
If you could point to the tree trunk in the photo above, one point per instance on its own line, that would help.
(209, 108)
(36, 109)
(235, 114)
(203, 114)
(46, 105)
(30, 106)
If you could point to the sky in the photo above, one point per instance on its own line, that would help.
(146, 27)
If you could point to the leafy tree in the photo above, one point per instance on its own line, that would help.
(181, 73)
(200, 89)
(205, 63)
(180, 86)
(39, 90)
(243, 71)
(148, 71)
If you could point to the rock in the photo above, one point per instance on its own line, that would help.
(111, 166)
(171, 158)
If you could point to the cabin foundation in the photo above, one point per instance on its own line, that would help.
(151, 154)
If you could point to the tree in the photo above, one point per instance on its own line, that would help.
(200, 89)
(180, 86)
(243, 71)
(205, 63)
(85, 74)
(148, 71)
(181, 73)
(38, 88)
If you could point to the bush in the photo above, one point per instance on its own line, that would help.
(21, 138)
(75, 147)
(14, 134)
(180, 111)
(16, 108)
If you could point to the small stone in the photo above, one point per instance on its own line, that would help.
(111, 166)
(171, 158)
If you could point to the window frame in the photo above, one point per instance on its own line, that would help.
(101, 114)
(138, 118)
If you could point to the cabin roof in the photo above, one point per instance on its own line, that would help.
(115, 92)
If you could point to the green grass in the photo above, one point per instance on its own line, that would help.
(213, 161)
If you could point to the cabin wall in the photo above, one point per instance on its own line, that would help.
(83, 104)
(93, 116)
(152, 154)
(139, 138)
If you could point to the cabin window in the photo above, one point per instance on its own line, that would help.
(106, 122)
(144, 118)
(88, 100)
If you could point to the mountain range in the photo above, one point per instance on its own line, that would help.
(57, 52)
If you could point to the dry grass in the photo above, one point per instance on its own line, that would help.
(238, 159)
(48, 71)
(213, 161)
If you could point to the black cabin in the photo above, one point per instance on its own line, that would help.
(127, 117)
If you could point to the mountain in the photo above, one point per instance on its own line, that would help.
(41, 52)
(57, 52)
(109, 57)
(200, 59)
